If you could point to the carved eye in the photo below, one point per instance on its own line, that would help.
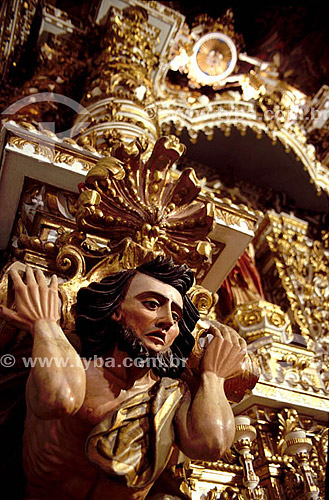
(151, 304)
(176, 317)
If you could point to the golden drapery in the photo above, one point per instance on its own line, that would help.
(133, 444)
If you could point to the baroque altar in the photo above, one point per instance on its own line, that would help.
(144, 88)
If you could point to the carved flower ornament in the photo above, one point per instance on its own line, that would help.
(147, 202)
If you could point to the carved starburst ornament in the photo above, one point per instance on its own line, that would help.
(148, 202)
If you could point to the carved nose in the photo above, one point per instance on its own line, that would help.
(165, 318)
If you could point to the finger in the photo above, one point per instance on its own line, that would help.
(225, 331)
(243, 343)
(41, 278)
(17, 280)
(53, 298)
(30, 279)
(23, 298)
(33, 292)
(213, 334)
(53, 305)
(216, 331)
(43, 292)
(54, 283)
(229, 334)
(26, 311)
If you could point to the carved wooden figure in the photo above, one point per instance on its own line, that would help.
(105, 422)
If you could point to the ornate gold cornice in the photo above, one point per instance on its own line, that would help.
(51, 151)
(200, 115)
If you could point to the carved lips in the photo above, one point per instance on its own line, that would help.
(157, 336)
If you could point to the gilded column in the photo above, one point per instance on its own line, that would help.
(119, 90)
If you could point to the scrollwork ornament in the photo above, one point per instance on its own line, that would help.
(204, 300)
(70, 262)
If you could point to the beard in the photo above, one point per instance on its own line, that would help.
(168, 363)
(162, 363)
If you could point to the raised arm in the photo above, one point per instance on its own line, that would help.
(205, 424)
(57, 382)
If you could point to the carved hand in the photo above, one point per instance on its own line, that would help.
(34, 300)
(226, 352)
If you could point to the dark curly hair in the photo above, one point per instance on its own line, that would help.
(97, 303)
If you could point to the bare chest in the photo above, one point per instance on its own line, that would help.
(57, 447)
(104, 395)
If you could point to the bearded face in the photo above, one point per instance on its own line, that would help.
(146, 312)
(161, 362)
(152, 309)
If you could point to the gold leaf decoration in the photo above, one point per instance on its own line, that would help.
(127, 197)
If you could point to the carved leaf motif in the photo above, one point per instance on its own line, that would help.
(125, 197)
(288, 421)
